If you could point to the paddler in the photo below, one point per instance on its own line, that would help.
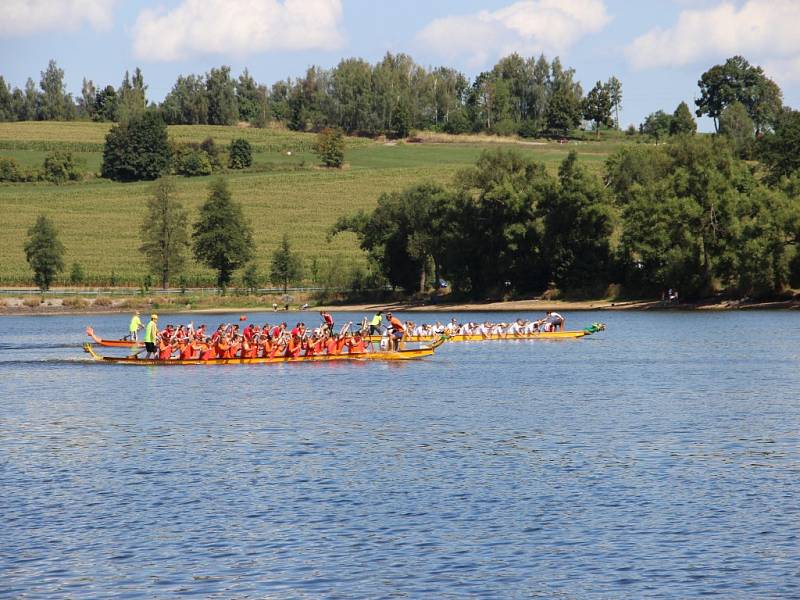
(134, 327)
(327, 320)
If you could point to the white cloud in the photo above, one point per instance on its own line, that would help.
(783, 70)
(528, 27)
(24, 17)
(237, 28)
(757, 29)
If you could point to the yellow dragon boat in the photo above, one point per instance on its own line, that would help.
(542, 335)
(410, 354)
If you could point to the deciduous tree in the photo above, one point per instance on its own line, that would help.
(737, 80)
(597, 106)
(137, 149)
(682, 122)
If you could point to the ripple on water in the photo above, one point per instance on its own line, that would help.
(659, 459)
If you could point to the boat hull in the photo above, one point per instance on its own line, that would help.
(319, 358)
(119, 343)
(545, 335)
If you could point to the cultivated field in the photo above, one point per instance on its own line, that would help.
(285, 191)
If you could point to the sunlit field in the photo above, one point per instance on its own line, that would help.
(284, 191)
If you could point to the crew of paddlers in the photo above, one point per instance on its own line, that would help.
(232, 340)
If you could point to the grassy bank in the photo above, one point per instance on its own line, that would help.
(285, 191)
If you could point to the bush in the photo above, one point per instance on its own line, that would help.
(330, 147)
(505, 127)
(103, 301)
(457, 123)
(528, 129)
(240, 154)
(10, 170)
(75, 302)
(192, 162)
(212, 150)
(76, 274)
(31, 302)
(60, 167)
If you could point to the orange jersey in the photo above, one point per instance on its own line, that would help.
(357, 347)
(294, 348)
(165, 351)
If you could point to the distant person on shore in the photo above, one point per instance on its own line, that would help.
(134, 327)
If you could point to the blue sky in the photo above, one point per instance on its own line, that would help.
(657, 48)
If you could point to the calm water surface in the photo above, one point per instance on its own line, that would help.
(657, 459)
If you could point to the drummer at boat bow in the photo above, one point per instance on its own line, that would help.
(151, 336)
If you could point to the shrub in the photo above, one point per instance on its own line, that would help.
(457, 122)
(103, 301)
(528, 129)
(60, 167)
(31, 302)
(75, 302)
(76, 274)
(240, 154)
(505, 127)
(193, 163)
(330, 147)
(10, 170)
(212, 150)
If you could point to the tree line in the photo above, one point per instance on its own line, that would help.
(530, 96)
(689, 214)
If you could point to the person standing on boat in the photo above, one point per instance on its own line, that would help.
(375, 323)
(398, 330)
(134, 327)
(151, 336)
(556, 321)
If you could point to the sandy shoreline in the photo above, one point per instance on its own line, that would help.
(529, 305)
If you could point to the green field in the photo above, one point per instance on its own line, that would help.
(99, 220)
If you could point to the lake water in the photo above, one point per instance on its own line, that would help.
(659, 458)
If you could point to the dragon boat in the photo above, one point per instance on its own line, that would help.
(113, 343)
(542, 335)
(410, 354)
